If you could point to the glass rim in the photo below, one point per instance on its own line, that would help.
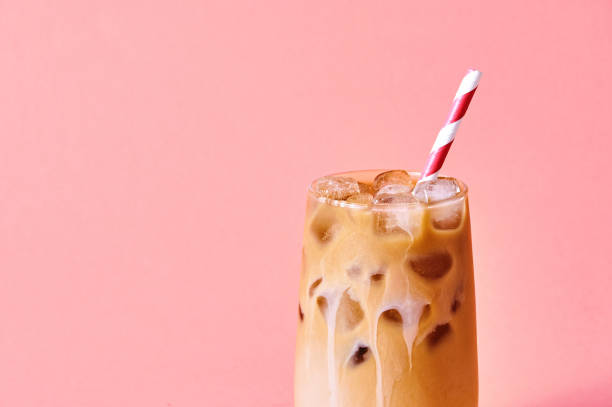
(462, 194)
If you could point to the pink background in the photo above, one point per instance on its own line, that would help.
(153, 164)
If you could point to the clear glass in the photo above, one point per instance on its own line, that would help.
(386, 304)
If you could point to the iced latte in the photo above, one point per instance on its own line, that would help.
(386, 300)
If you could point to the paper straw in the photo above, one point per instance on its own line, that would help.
(445, 138)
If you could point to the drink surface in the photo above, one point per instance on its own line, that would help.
(386, 301)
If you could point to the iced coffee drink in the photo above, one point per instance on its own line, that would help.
(386, 300)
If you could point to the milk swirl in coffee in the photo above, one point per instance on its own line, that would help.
(386, 313)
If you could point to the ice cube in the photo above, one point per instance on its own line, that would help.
(459, 298)
(394, 194)
(354, 271)
(363, 198)
(440, 332)
(396, 210)
(360, 355)
(394, 189)
(433, 265)
(435, 190)
(425, 314)
(400, 220)
(314, 286)
(392, 315)
(447, 216)
(393, 177)
(325, 226)
(350, 313)
(376, 277)
(366, 188)
(338, 188)
(322, 304)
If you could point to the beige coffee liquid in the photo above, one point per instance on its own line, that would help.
(386, 300)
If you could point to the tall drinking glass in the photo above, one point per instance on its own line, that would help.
(386, 298)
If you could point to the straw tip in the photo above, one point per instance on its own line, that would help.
(475, 72)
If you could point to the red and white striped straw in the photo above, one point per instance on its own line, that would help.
(445, 138)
